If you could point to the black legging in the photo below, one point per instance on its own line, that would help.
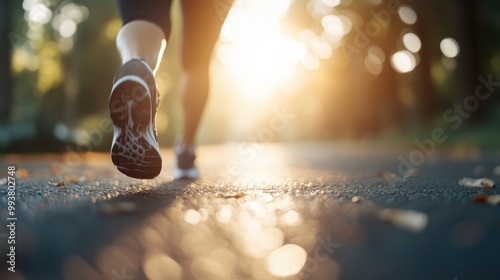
(202, 21)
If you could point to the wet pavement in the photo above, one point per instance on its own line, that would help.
(283, 211)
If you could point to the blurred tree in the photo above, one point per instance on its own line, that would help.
(464, 25)
(5, 76)
(425, 92)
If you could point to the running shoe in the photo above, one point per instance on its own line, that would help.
(132, 105)
(185, 169)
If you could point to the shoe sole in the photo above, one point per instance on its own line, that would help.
(135, 151)
(185, 174)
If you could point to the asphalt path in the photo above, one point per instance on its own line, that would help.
(282, 211)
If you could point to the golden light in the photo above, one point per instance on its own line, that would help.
(22, 59)
(258, 57)
(51, 74)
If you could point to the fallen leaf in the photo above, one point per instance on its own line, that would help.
(118, 208)
(387, 175)
(491, 199)
(22, 173)
(61, 184)
(480, 198)
(476, 183)
(239, 195)
(405, 219)
(356, 199)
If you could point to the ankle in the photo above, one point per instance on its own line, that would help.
(183, 142)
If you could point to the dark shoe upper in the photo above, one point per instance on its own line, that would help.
(140, 68)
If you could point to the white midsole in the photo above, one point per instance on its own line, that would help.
(190, 173)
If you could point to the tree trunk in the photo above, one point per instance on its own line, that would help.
(5, 74)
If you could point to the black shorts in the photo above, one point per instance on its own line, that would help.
(155, 11)
(201, 24)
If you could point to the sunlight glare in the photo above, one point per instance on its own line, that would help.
(262, 64)
(258, 56)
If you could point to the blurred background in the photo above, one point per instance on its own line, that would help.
(343, 70)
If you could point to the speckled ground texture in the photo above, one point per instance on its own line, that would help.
(281, 211)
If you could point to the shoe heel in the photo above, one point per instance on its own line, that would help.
(130, 104)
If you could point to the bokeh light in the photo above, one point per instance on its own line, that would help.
(449, 47)
(334, 25)
(67, 28)
(39, 13)
(412, 42)
(403, 61)
(407, 15)
(286, 260)
(331, 3)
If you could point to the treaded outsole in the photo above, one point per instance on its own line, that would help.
(130, 111)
